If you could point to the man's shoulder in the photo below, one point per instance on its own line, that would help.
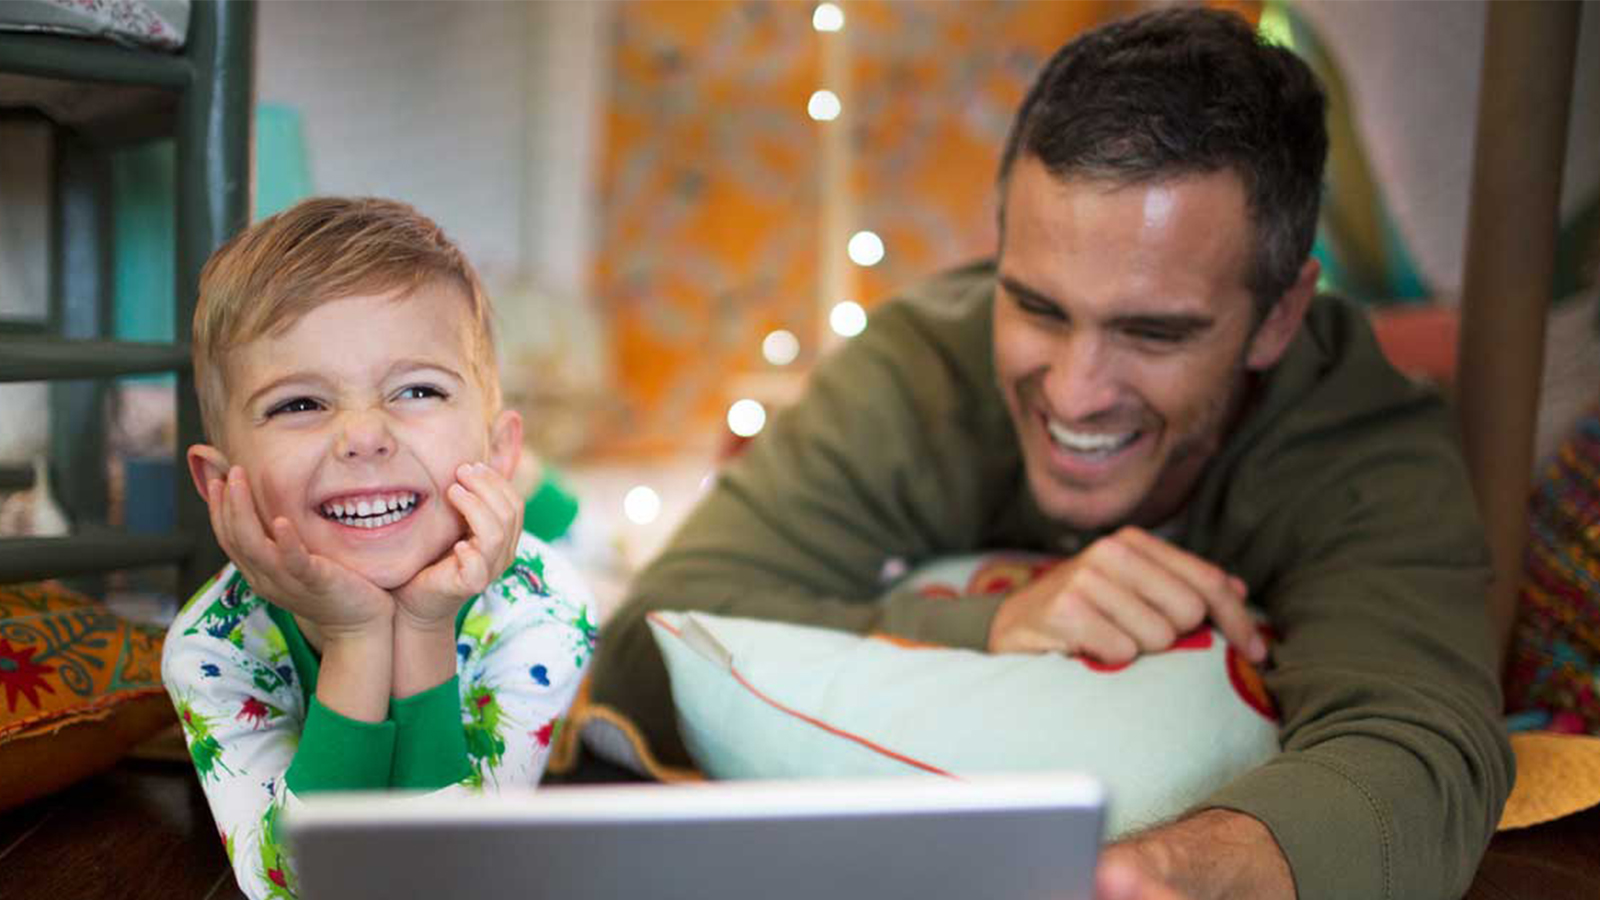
(963, 293)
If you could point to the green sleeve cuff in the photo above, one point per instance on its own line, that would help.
(956, 622)
(1341, 850)
(337, 753)
(430, 749)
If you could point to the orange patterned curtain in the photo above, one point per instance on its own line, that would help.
(713, 190)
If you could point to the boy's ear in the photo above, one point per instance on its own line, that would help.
(505, 443)
(1273, 335)
(206, 463)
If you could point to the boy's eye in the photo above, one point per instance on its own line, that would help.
(295, 405)
(421, 392)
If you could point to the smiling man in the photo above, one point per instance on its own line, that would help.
(1144, 381)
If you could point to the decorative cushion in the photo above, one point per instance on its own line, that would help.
(1554, 666)
(78, 687)
(772, 700)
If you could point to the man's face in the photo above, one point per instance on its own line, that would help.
(1122, 330)
(352, 423)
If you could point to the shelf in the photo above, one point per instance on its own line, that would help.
(30, 559)
(51, 56)
(37, 359)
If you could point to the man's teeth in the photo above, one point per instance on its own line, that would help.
(371, 512)
(1086, 442)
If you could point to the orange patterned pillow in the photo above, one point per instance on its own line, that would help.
(78, 686)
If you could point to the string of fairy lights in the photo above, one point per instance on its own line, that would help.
(846, 318)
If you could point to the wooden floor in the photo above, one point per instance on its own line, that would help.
(142, 830)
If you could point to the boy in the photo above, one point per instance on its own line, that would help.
(384, 623)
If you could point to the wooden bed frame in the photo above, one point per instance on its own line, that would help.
(143, 829)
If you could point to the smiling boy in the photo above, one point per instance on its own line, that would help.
(384, 621)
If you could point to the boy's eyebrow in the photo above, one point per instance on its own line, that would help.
(396, 368)
(411, 365)
(280, 381)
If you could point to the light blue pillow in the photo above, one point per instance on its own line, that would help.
(762, 699)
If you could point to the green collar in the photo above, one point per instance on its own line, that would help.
(307, 662)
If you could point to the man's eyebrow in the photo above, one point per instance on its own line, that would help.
(1021, 291)
(1178, 323)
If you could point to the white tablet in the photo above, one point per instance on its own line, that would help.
(1013, 837)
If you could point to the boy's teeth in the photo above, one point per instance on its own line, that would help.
(371, 512)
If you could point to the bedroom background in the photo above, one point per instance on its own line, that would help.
(672, 226)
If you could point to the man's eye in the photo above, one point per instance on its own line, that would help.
(296, 405)
(1039, 308)
(1155, 335)
(421, 392)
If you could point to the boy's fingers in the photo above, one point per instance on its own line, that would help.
(296, 559)
(485, 526)
(214, 508)
(474, 570)
(487, 484)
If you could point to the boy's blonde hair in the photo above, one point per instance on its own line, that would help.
(324, 249)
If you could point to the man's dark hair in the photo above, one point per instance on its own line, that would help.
(1186, 91)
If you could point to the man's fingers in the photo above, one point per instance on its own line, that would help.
(1118, 880)
(1093, 635)
(1148, 627)
(1223, 594)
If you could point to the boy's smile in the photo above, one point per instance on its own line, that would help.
(352, 422)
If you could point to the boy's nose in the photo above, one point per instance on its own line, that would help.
(364, 434)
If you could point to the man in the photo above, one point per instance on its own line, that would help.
(1144, 381)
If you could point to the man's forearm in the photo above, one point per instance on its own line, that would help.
(1217, 854)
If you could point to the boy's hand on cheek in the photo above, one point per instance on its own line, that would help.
(493, 512)
(280, 568)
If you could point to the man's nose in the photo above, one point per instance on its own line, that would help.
(363, 434)
(1082, 381)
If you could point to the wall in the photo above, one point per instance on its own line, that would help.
(481, 114)
(1413, 73)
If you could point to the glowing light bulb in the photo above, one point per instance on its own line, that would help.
(641, 505)
(847, 318)
(866, 248)
(824, 106)
(827, 17)
(746, 418)
(780, 347)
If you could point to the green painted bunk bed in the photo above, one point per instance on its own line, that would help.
(201, 96)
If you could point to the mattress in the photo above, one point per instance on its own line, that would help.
(154, 24)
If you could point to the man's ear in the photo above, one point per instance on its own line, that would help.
(505, 443)
(206, 463)
(1283, 320)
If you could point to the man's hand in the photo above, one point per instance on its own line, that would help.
(1217, 854)
(1118, 879)
(278, 566)
(493, 513)
(1125, 594)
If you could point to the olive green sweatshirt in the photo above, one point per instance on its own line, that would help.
(1340, 498)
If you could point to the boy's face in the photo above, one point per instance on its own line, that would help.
(351, 424)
